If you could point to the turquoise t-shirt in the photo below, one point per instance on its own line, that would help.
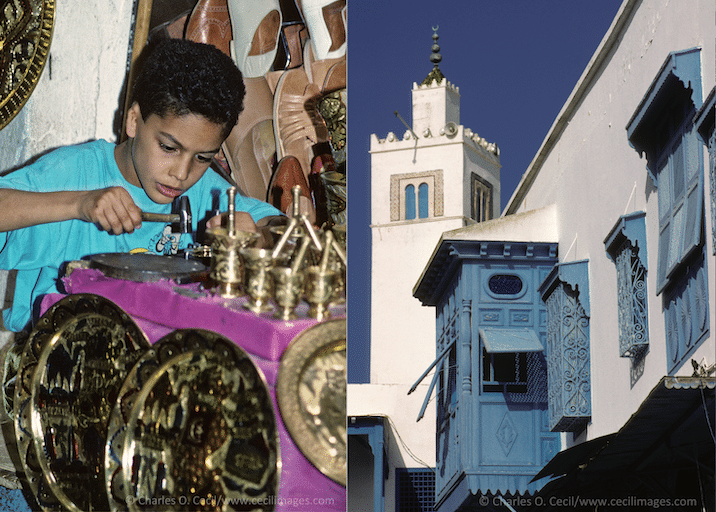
(38, 252)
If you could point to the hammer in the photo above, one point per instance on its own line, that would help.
(182, 219)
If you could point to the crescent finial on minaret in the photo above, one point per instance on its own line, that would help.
(435, 75)
(435, 58)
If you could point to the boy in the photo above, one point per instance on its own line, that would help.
(88, 199)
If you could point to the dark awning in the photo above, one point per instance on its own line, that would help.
(573, 457)
(674, 419)
(499, 340)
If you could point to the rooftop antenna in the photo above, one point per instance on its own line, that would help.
(406, 124)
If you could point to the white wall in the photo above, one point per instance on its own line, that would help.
(434, 106)
(79, 90)
(594, 176)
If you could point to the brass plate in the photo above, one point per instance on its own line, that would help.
(74, 363)
(146, 267)
(25, 35)
(168, 347)
(311, 393)
(202, 434)
(60, 313)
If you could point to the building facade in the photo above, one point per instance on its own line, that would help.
(623, 186)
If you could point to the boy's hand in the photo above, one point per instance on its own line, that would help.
(112, 209)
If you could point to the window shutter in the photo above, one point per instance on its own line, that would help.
(665, 212)
(680, 205)
(675, 244)
(694, 195)
(664, 239)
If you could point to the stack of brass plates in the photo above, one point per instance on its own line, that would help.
(106, 422)
(72, 367)
(311, 393)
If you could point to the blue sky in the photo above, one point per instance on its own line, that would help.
(515, 63)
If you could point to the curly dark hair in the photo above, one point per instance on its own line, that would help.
(182, 77)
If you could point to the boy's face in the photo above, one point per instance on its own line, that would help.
(168, 155)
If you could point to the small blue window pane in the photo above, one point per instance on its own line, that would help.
(410, 202)
(505, 284)
(423, 201)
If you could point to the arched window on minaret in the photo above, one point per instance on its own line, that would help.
(481, 199)
(410, 202)
(415, 196)
(423, 201)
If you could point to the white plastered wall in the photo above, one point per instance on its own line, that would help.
(594, 176)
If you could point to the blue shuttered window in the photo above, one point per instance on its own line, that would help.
(663, 127)
(686, 313)
(626, 246)
(680, 189)
(705, 122)
(565, 292)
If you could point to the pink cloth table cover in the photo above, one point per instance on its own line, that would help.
(161, 307)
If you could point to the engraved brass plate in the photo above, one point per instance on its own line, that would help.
(202, 433)
(311, 393)
(72, 367)
(170, 346)
(25, 35)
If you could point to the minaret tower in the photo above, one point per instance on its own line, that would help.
(438, 176)
(434, 107)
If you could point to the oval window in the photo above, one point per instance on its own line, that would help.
(505, 284)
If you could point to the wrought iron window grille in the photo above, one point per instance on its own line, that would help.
(565, 293)
(626, 247)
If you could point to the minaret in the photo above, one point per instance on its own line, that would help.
(438, 176)
(434, 107)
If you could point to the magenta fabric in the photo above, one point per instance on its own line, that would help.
(161, 307)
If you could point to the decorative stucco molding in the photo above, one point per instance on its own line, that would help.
(397, 185)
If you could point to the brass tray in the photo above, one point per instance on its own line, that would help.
(311, 393)
(74, 363)
(145, 267)
(26, 29)
(202, 433)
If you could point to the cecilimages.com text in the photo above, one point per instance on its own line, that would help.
(202, 501)
(572, 502)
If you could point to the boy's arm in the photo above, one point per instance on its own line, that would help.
(111, 208)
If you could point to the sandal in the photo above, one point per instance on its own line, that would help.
(325, 56)
(297, 124)
(326, 22)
